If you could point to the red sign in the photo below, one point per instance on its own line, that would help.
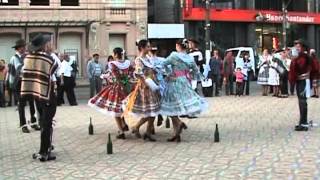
(238, 15)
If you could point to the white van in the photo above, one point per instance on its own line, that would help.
(238, 53)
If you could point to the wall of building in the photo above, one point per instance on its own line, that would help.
(89, 26)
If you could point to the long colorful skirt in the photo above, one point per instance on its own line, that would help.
(109, 100)
(143, 102)
(180, 99)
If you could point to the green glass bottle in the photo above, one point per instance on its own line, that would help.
(109, 145)
(216, 135)
(90, 127)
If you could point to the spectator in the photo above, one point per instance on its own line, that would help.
(198, 58)
(247, 71)
(274, 78)
(263, 75)
(67, 81)
(215, 73)
(282, 62)
(94, 71)
(110, 58)
(239, 81)
(315, 81)
(228, 68)
(3, 74)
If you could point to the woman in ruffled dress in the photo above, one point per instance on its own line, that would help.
(109, 100)
(263, 75)
(178, 97)
(274, 77)
(144, 101)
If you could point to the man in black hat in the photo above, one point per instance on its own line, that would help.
(38, 82)
(301, 71)
(15, 67)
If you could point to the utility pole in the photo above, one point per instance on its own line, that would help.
(284, 24)
(207, 30)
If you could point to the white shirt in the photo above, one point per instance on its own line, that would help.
(65, 69)
(56, 61)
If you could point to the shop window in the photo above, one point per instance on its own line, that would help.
(39, 2)
(69, 2)
(118, 3)
(9, 2)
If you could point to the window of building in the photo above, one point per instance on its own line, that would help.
(69, 2)
(9, 2)
(118, 3)
(275, 5)
(39, 2)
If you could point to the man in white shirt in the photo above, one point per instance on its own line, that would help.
(67, 81)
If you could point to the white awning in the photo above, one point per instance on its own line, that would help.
(165, 31)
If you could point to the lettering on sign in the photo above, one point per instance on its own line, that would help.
(290, 18)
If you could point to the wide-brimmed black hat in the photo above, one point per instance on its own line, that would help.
(38, 41)
(193, 40)
(19, 43)
(301, 42)
(280, 50)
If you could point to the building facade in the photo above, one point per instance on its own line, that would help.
(78, 27)
(235, 23)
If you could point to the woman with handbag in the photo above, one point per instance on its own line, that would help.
(179, 98)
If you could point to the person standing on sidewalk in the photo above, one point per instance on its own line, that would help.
(247, 71)
(228, 68)
(198, 58)
(15, 67)
(3, 75)
(215, 71)
(301, 71)
(315, 81)
(67, 81)
(94, 71)
(37, 82)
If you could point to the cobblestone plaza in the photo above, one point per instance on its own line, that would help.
(257, 142)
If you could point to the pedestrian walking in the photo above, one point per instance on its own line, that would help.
(94, 71)
(37, 82)
(144, 101)
(109, 100)
(179, 98)
(301, 71)
(15, 68)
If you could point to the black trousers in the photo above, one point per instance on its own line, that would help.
(292, 89)
(302, 99)
(246, 87)
(12, 96)
(69, 88)
(95, 85)
(284, 84)
(229, 85)
(22, 102)
(60, 92)
(216, 82)
(239, 88)
(47, 111)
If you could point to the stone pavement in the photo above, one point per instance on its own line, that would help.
(257, 142)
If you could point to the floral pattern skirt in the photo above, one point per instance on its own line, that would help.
(180, 99)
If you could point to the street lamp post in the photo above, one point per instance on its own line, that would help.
(207, 30)
(284, 24)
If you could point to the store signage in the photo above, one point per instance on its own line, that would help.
(239, 15)
(290, 18)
